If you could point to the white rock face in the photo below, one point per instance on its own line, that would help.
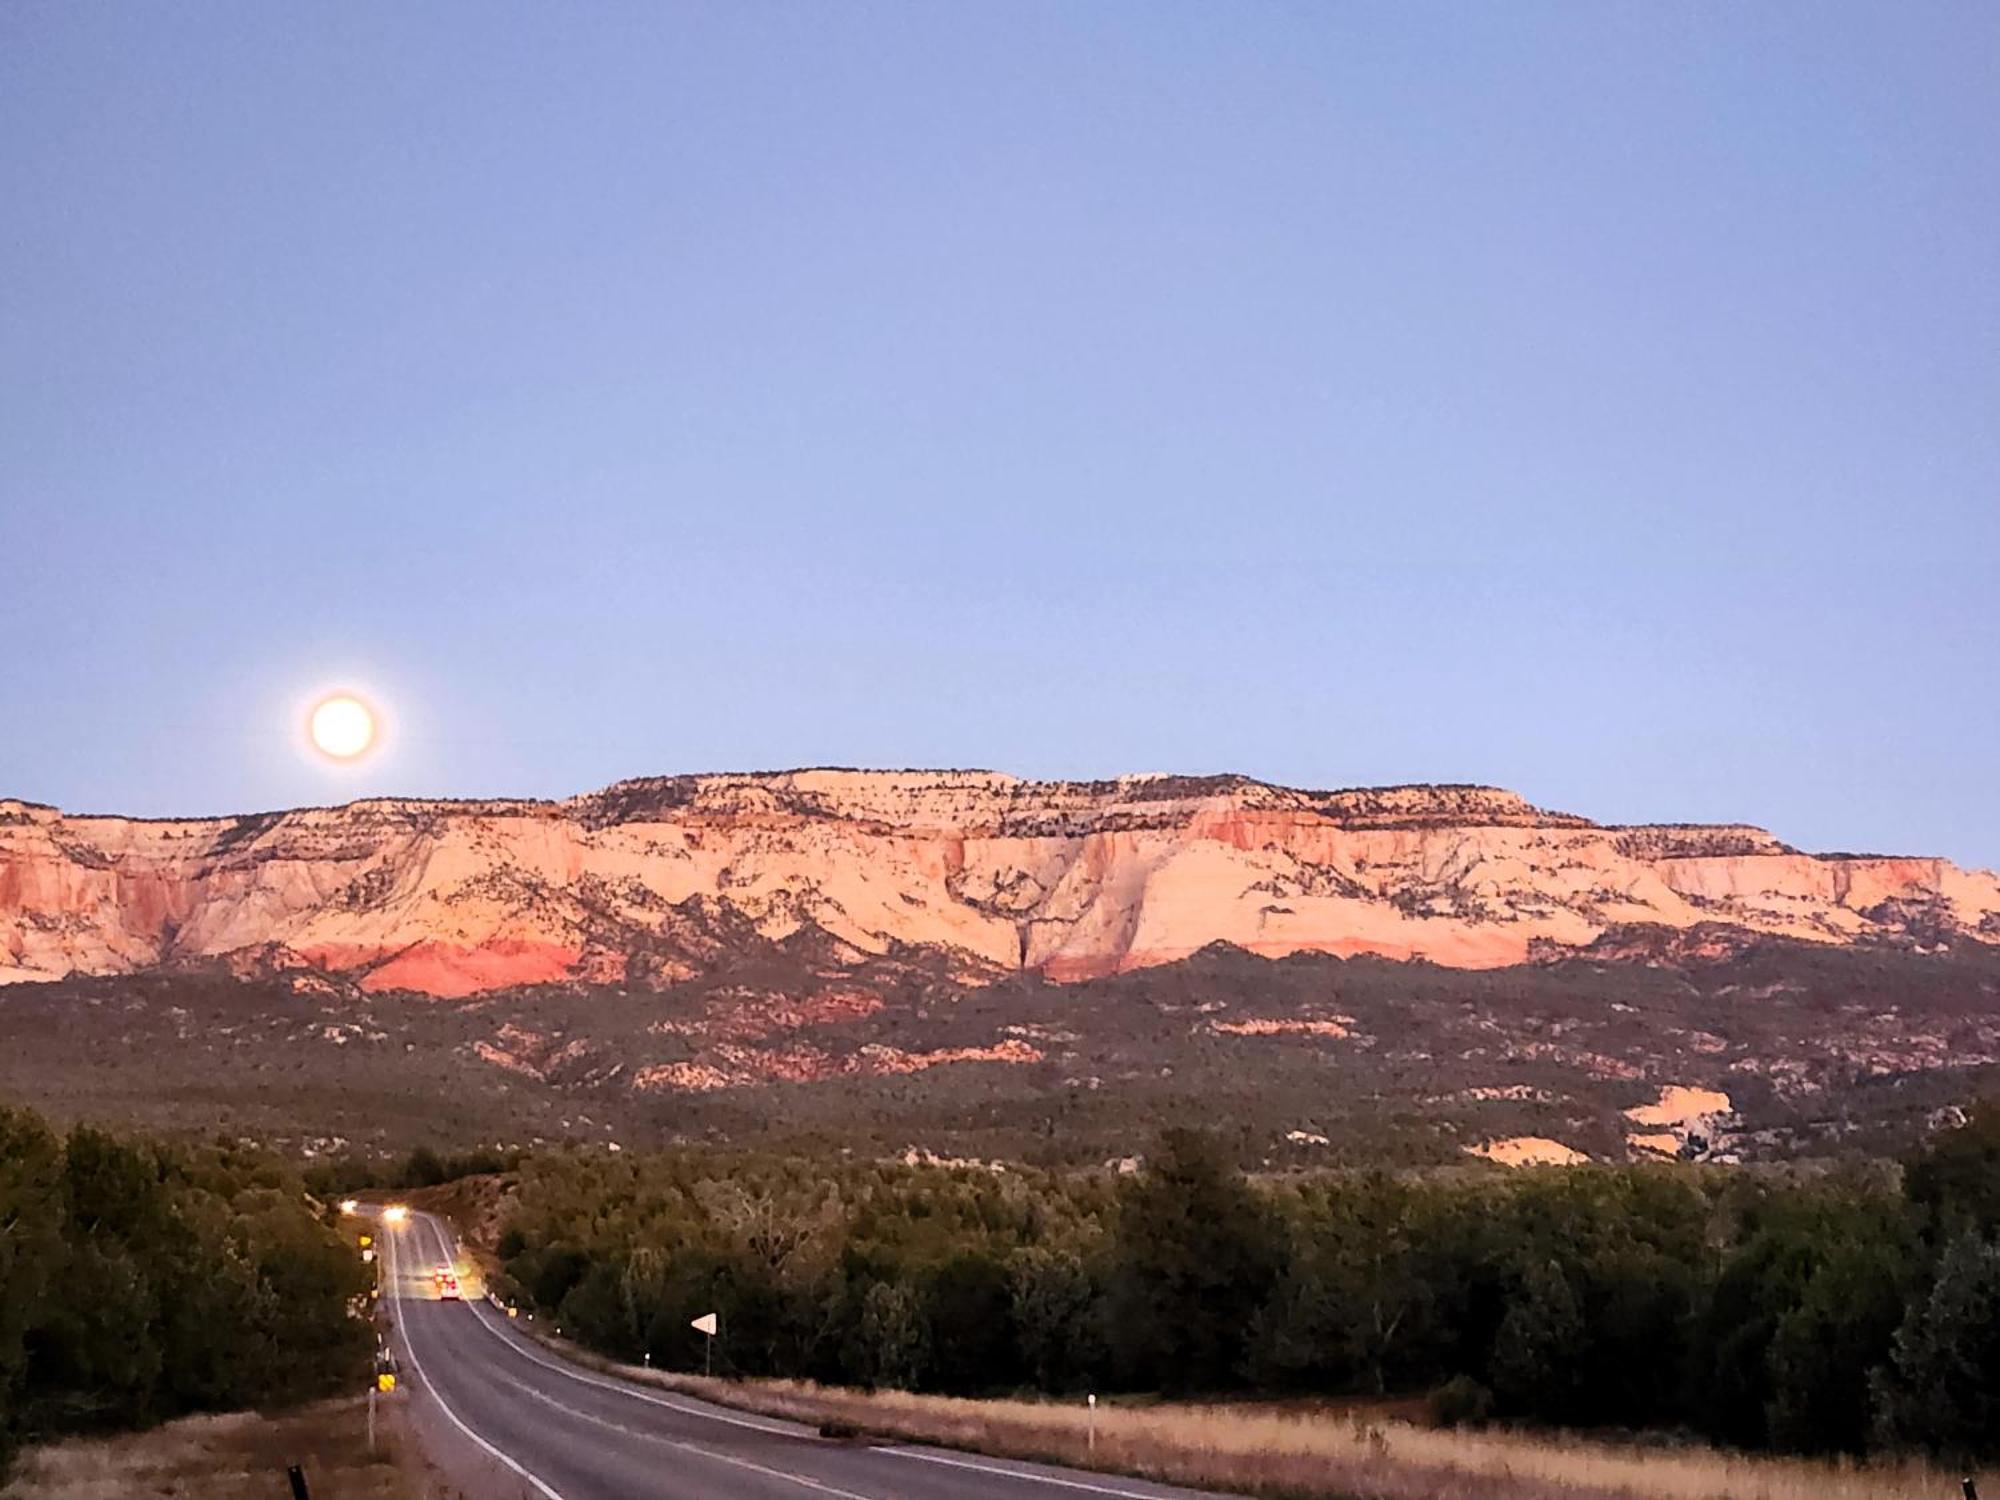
(1683, 1121)
(651, 880)
(1529, 1151)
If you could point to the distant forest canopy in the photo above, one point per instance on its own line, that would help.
(1847, 1310)
(141, 1280)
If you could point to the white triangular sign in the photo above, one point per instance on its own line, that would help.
(704, 1324)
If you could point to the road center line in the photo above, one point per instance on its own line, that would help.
(744, 1463)
(1024, 1476)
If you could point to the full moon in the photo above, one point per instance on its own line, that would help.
(342, 727)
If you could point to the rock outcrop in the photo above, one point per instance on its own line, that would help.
(651, 881)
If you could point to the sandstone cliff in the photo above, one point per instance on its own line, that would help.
(654, 880)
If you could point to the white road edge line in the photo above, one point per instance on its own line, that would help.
(1025, 1476)
(994, 1470)
(616, 1386)
(681, 1445)
(416, 1363)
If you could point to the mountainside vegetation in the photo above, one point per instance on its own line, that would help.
(141, 1281)
(1311, 1061)
(1848, 1310)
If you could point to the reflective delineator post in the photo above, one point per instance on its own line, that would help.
(1091, 1402)
(298, 1479)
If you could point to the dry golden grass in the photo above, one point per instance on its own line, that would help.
(1317, 1454)
(238, 1456)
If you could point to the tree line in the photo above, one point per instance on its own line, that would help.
(337, 1177)
(141, 1281)
(1836, 1310)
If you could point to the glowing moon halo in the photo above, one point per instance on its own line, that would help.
(342, 727)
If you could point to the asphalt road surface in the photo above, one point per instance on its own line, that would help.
(511, 1421)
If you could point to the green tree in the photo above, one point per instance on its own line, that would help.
(139, 1281)
(595, 1311)
(114, 1188)
(1051, 1296)
(424, 1168)
(1806, 1300)
(1825, 1346)
(98, 1360)
(1371, 1293)
(1603, 1265)
(1955, 1179)
(1196, 1254)
(307, 1282)
(894, 1336)
(31, 1247)
(970, 1313)
(210, 1286)
(1540, 1351)
(1941, 1389)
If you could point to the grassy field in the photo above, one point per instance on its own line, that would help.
(239, 1456)
(1304, 1454)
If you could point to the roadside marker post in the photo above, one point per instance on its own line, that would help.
(707, 1324)
(297, 1476)
(383, 1383)
(1091, 1402)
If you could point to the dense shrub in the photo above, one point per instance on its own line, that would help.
(1461, 1402)
(1801, 1310)
(140, 1281)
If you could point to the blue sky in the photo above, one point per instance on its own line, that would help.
(1595, 400)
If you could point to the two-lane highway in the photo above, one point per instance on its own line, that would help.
(542, 1428)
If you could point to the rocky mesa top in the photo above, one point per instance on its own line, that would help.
(659, 877)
